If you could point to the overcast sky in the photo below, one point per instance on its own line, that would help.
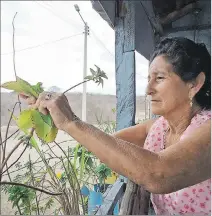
(59, 63)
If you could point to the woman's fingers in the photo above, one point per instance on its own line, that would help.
(43, 109)
(29, 99)
(57, 106)
(23, 96)
(39, 104)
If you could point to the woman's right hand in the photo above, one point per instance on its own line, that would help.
(30, 100)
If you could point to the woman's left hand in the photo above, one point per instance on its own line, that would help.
(58, 106)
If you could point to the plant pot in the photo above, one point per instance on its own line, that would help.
(94, 202)
(85, 191)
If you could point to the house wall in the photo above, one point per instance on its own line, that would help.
(203, 18)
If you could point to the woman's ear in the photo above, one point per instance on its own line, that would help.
(197, 84)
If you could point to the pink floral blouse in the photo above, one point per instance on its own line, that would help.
(193, 200)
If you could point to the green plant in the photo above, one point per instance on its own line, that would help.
(103, 172)
(23, 196)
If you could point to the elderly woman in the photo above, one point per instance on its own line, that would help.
(169, 156)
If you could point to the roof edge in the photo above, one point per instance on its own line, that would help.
(103, 8)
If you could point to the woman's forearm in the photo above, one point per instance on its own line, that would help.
(123, 157)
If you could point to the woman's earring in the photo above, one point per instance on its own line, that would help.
(191, 102)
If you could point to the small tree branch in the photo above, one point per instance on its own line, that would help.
(15, 160)
(2, 142)
(33, 183)
(75, 86)
(37, 160)
(0, 139)
(11, 152)
(43, 180)
(7, 158)
(14, 67)
(14, 45)
(29, 186)
(33, 164)
(52, 151)
(7, 130)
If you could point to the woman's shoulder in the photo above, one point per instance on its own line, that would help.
(201, 117)
(197, 121)
(158, 123)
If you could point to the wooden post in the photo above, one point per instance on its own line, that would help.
(135, 199)
(125, 66)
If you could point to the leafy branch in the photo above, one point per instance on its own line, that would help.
(29, 186)
(97, 76)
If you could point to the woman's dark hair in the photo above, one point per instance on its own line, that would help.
(188, 59)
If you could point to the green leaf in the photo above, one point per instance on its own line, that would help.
(47, 119)
(89, 77)
(38, 87)
(24, 120)
(89, 162)
(104, 75)
(22, 86)
(28, 89)
(45, 132)
(82, 163)
(13, 85)
(98, 69)
(108, 172)
(93, 72)
(75, 155)
(101, 81)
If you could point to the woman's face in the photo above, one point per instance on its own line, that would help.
(168, 92)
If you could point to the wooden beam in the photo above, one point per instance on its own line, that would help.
(175, 15)
(136, 200)
(125, 67)
(187, 28)
(126, 94)
(179, 4)
(154, 20)
(113, 194)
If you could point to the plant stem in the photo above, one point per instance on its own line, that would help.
(14, 67)
(74, 175)
(2, 142)
(7, 158)
(75, 86)
(31, 187)
(11, 152)
(33, 164)
(15, 160)
(7, 130)
(37, 160)
(68, 176)
(33, 183)
(19, 210)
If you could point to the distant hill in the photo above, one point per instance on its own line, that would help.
(97, 105)
(54, 89)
